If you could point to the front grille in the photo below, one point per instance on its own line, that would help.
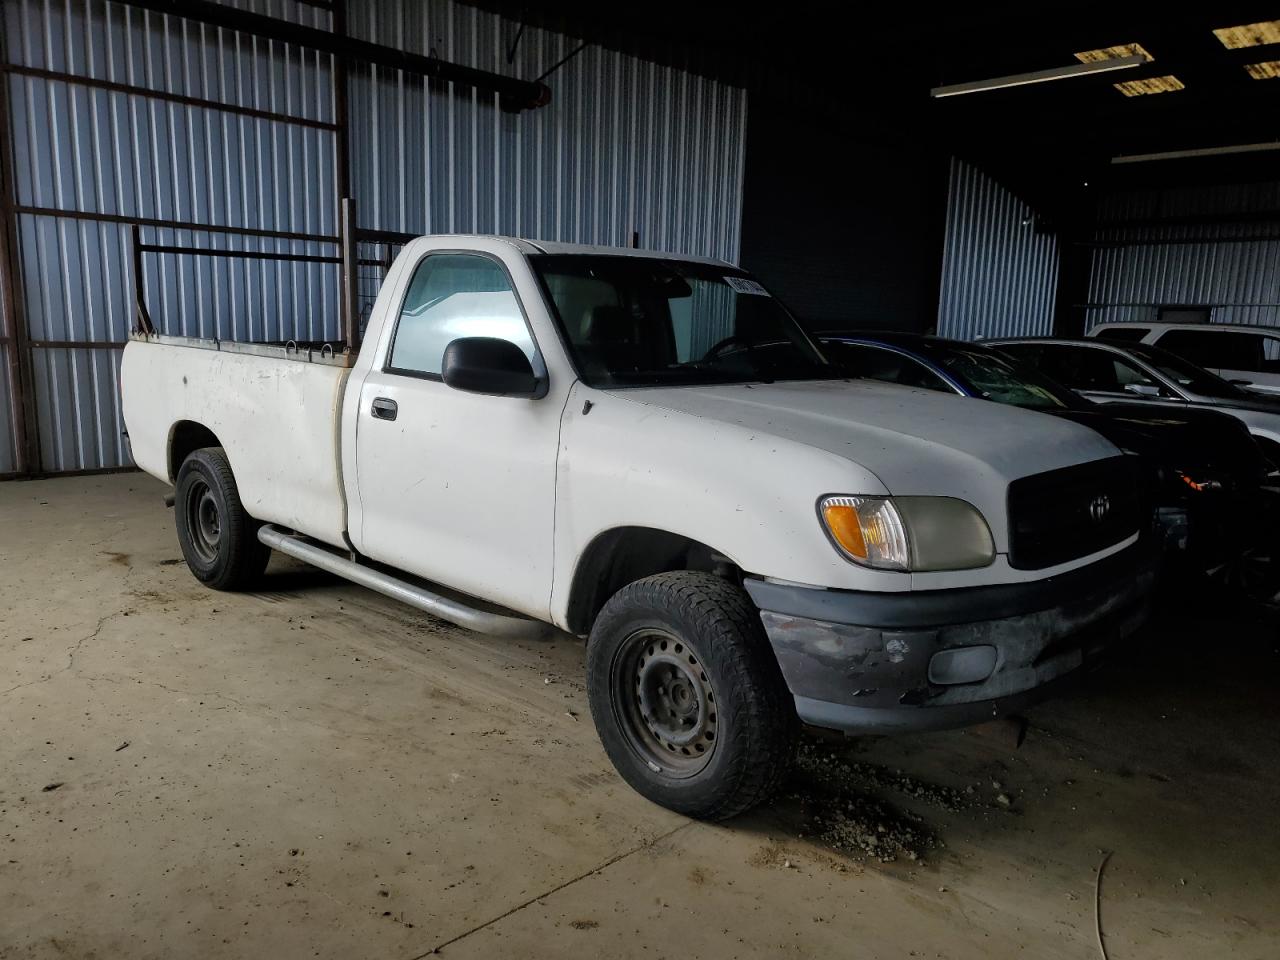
(1064, 514)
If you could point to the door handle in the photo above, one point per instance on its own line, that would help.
(383, 409)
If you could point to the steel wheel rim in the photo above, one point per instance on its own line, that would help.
(204, 522)
(664, 702)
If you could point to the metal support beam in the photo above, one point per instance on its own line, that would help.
(176, 225)
(151, 93)
(77, 345)
(513, 93)
(342, 119)
(350, 277)
(236, 254)
(348, 257)
(395, 237)
(1075, 260)
(27, 431)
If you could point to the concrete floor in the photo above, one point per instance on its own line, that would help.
(313, 770)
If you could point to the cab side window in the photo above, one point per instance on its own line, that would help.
(454, 295)
(1220, 350)
(1083, 368)
(1127, 374)
(1028, 354)
(1271, 354)
(1071, 366)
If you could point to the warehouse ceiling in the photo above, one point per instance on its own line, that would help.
(872, 68)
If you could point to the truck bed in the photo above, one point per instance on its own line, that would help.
(273, 408)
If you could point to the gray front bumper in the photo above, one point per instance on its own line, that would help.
(865, 662)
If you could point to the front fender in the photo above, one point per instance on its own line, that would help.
(750, 496)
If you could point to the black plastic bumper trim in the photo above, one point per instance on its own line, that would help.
(921, 609)
(860, 721)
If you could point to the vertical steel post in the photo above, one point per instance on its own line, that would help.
(342, 185)
(350, 267)
(26, 426)
(142, 319)
(341, 119)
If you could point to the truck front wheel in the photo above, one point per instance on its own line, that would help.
(219, 539)
(687, 696)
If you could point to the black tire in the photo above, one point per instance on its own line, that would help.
(687, 697)
(219, 539)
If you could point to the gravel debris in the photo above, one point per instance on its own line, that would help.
(841, 810)
(827, 766)
(866, 829)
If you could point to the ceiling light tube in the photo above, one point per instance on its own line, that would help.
(1201, 152)
(1038, 76)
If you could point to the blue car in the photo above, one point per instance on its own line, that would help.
(950, 366)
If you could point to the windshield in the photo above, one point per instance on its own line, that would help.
(1187, 375)
(631, 321)
(994, 379)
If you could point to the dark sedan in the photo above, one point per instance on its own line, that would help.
(1208, 479)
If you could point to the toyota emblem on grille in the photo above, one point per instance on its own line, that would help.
(1099, 507)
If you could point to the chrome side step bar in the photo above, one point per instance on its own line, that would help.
(482, 621)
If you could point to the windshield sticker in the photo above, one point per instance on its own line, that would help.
(744, 285)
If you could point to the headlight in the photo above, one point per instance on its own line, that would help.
(908, 533)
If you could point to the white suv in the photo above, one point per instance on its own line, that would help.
(1248, 356)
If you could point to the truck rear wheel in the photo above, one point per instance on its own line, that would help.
(687, 696)
(219, 539)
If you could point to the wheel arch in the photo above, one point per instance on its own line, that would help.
(621, 555)
(185, 437)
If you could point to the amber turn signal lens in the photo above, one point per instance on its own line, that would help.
(845, 526)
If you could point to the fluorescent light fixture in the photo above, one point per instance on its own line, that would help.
(1266, 70)
(1114, 53)
(1202, 152)
(1148, 85)
(1249, 34)
(1038, 76)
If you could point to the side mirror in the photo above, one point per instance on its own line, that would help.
(1142, 389)
(490, 365)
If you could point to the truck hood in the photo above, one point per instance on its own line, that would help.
(917, 442)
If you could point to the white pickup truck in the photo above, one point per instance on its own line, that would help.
(648, 451)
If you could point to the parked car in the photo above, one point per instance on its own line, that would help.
(1109, 371)
(1248, 356)
(537, 433)
(1208, 480)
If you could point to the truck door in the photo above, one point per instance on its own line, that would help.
(457, 487)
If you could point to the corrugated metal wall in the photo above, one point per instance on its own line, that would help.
(625, 147)
(999, 275)
(1231, 265)
(102, 153)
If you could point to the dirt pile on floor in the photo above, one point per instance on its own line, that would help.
(840, 807)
